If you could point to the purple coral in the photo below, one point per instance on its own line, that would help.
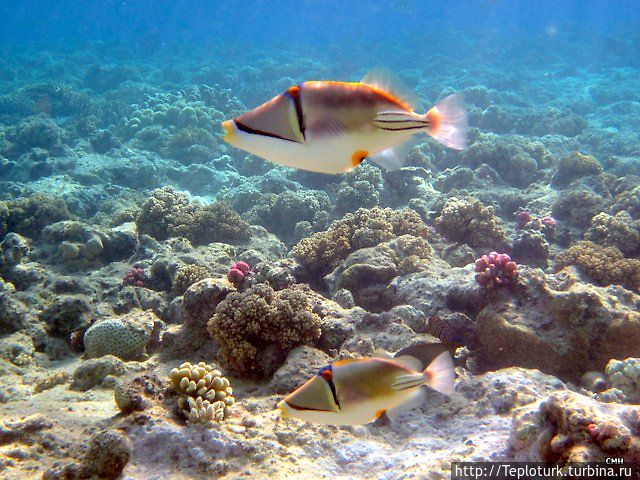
(523, 218)
(134, 277)
(496, 270)
(238, 273)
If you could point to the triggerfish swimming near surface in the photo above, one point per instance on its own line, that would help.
(331, 127)
(358, 391)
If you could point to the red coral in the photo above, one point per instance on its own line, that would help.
(238, 273)
(134, 277)
(496, 270)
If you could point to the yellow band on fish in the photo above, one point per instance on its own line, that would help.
(230, 130)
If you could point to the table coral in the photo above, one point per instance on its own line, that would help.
(573, 167)
(257, 328)
(618, 230)
(603, 265)
(204, 394)
(323, 251)
(470, 222)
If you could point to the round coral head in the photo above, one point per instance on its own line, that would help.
(235, 275)
(244, 267)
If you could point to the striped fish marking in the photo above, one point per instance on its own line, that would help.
(443, 330)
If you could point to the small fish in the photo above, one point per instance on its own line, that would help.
(331, 127)
(358, 391)
(442, 330)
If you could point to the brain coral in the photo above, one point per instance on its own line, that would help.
(619, 231)
(323, 251)
(470, 222)
(204, 394)
(125, 337)
(258, 327)
(167, 213)
(603, 265)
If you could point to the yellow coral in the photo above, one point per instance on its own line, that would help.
(470, 222)
(187, 275)
(603, 265)
(204, 394)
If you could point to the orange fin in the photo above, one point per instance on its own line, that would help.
(448, 122)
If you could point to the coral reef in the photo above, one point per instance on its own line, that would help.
(618, 230)
(257, 328)
(29, 215)
(496, 270)
(360, 189)
(624, 375)
(13, 249)
(603, 265)
(204, 395)
(530, 247)
(134, 277)
(125, 337)
(238, 273)
(569, 427)
(168, 213)
(323, 251)
(187, 275)
(470, 222)
(573, 167)
(578, 207)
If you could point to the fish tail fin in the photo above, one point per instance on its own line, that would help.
(448, 122)
(440, 374)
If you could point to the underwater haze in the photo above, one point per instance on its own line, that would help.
(175, 307)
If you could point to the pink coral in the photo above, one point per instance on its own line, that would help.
(496, 270)
(238, 273)
(134, 277)
(523, 218)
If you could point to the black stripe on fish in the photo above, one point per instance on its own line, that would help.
(442, 330)
(418, 127)
(247, 129)
(295, 407)
(403, 121)
(294, 94)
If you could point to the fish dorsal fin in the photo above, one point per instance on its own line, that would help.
(385, 79)
(407, 361)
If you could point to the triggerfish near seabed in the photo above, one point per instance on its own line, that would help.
(359, 391)
(331, 127)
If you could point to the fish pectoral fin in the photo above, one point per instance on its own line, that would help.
(413, 401)
(324, 124)
(405, 382)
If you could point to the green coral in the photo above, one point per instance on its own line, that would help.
(187, 275)
(168, 213)
(321, 252)
(603, 265)
(29, 215)
(258, 327)
(575, 166)
(619, 231)
(470, 222)
(204, 395)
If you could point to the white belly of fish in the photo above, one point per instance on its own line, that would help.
(327, 154)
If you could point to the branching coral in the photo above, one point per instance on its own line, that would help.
(603, 265)
(619, 231)
(575, 166)
(204, 394)
(258, 327)
(168, 213)
(187, 275)
(321, 252)
(470, 222)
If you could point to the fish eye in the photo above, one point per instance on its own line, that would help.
(326, 373)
